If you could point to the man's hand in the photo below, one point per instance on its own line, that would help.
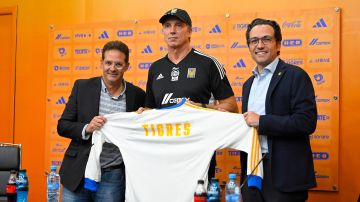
(252, 119)
(141, 110)
(95, 124)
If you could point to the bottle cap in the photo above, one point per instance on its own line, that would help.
(53, 168)
(200, 181)
(232, 176)
(214, 179)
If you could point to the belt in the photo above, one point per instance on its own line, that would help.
(116, 167)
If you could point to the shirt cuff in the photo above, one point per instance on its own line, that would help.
(83, 133)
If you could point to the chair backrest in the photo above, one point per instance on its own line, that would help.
(10, 159)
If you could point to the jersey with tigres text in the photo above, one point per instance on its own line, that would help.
(166, 151)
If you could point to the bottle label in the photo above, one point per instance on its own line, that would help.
(232, 197)
(10, 189)
(199, 198)
(22, 182)
(53, 186)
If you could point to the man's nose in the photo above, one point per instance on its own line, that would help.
(172, 29)
(260, 44)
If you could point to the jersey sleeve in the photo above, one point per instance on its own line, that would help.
(220, 85)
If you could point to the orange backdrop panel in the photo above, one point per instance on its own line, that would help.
(310, 40)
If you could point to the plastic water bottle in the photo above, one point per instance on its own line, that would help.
(53, 185)
(214, 191)
(232, 189)
(200, 192)
(22, 186)
(11, 187)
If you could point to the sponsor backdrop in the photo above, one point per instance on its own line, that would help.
(310, 40)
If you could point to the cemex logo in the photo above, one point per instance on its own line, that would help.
(61, 37)
(215, 29)
(146, 50)
(103, 35)
(237, 45)
(167, 99)
(240, 64)
(320, 24)
(316, 42)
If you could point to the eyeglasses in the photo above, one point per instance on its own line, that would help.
(109, 64)
(265, 40)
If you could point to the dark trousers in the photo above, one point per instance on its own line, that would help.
(269, 193)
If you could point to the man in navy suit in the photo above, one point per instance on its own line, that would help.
(90, 99)
(279, 100)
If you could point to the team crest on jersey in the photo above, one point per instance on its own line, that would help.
(191, 73)
(175, 74)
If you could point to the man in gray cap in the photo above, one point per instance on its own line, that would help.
(187, 73)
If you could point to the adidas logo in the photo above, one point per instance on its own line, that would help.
(160, 77)
(215, 29)
(319, 24)
(103, 35)
(147, 49)
(240, 64)
(61, 101)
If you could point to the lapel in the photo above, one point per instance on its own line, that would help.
(94, 92)
(130, 97)
(246, 93)
(278, 74)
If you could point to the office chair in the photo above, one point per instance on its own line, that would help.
(10, 159)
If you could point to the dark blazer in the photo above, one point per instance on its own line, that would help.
(290, 118)
(81, 108)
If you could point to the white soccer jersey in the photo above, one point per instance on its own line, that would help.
(166, 151)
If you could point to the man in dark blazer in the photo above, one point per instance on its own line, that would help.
(90, 99)
(279, 101)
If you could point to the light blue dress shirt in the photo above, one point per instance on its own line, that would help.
(258, 93)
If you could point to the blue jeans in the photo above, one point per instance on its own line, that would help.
(112, 186)
(110, 189)
(81, 195)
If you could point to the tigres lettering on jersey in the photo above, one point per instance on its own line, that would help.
(166, 151)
